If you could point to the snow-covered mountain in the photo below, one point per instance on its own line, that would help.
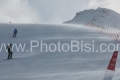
(100, 16)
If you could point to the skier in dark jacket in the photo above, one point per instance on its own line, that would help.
(9, 48)
(15, 32)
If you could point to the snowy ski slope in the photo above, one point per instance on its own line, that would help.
(58, 65)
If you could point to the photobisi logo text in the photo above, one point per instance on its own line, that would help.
(72, 46)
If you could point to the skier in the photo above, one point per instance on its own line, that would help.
(15, 32)
(9, 49)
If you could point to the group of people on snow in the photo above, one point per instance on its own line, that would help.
(9, 47)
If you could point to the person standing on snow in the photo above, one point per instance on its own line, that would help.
(9, 49)
(15, 32)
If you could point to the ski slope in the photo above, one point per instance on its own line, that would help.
(54, 66)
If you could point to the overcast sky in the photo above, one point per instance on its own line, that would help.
(48, 11)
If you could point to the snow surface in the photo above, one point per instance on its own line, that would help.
(101, 16)
(54, 66)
